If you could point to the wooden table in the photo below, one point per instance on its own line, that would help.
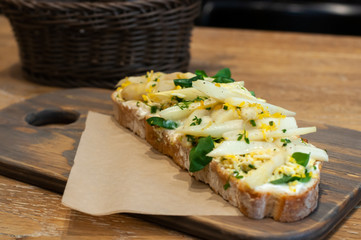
(324, 70)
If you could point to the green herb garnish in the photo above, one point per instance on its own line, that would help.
(271, 123)
(251, 166)
(187, 83)
(237, 175)
(225, 107)
(178, 99)
(196, 121)
(285, 179)
(198, 155)
(184, 104)
(223, 76)
(284, 130)
(301, 158)
(252, 93)
(199, 98)
(218, 139)
(153, 109)
(201, 73)
(252, 122)
(161, 122)
(285, 141)
(226, 186)
(240, 136)
(305, 179)
(192, 139)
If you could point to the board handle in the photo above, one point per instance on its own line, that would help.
(51, 116)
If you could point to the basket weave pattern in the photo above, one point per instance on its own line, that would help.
(76, 43)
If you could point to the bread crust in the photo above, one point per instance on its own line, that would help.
(282, 207)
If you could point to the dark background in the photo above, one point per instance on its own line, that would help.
(330, 17)
(341, 17)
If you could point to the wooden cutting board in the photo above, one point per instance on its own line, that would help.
(39, 137)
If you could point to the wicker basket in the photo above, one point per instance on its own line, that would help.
(77, 43)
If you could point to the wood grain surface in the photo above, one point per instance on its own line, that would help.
(323, 70)
(28, 212)
(42, 155)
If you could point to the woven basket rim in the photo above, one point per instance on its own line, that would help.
(94, 44)
(58, 5)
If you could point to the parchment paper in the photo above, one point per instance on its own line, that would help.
(116, 171)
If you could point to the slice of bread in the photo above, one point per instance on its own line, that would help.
(253, 194)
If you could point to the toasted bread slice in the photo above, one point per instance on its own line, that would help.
(255, 191)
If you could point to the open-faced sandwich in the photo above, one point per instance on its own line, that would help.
(247, 150)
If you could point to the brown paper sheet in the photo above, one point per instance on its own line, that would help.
(116, 171)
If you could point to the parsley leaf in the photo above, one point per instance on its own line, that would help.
(196, 121)
(223, 76)
(285, 141)
(178, 99)
(153, 109)
(201, 73)
(223, 80)
(198, 155)
(187, 83)
(184, 104)
(218, 139)
(192, 139)
(252, 122)
(237, 175)
(251, 166)
(301, 158)
(225, 72)
(199, 98)
(285, 179)
(226, 186)
(305, 179)
(161, 122)
(240, 136)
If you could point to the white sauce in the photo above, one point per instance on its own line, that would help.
(289, 189)
(142, 109)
